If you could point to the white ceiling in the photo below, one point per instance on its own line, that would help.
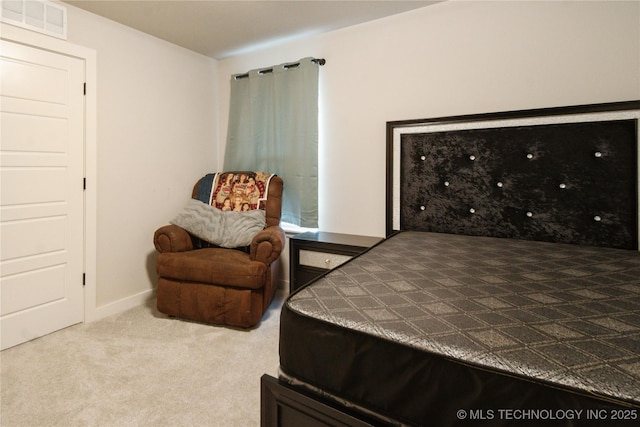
(220, 29)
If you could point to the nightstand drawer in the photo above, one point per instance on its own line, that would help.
(314, 253)
(322, 260)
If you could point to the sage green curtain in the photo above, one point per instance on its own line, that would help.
(273, 127)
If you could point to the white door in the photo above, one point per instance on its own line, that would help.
(41, 192)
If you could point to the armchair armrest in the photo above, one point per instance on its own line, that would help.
(171, 238)
(267, 245)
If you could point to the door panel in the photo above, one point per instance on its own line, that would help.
(35, 185)
(39, 76)
(41, 198)
(33, 237)
(46, 284)
(33, 134)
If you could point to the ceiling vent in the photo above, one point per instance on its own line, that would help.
(37, 15)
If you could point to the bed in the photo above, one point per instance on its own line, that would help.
(507, 291)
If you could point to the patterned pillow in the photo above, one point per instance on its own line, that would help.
(238, 191)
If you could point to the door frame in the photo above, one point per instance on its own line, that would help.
(40, 41)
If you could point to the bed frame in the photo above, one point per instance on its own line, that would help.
(484, 180)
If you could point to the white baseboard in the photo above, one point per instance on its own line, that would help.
(122, 305)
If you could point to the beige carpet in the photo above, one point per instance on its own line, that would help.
(140, 368)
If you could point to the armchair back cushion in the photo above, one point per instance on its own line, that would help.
(241, 191)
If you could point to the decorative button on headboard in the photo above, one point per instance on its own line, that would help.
(573, 182)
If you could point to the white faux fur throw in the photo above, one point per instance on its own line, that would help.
(222, 228)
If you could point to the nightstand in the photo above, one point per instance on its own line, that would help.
(314, 253)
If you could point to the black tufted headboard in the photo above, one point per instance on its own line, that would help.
(567, 175)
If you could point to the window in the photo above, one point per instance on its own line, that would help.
(273, 127)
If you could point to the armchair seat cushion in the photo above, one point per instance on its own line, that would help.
(217, 266)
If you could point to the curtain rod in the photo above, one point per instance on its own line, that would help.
(319, 61)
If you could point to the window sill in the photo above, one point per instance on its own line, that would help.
(292, 229)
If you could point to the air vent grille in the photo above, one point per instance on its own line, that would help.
(38, 15)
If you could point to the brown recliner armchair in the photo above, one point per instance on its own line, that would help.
(202, 281)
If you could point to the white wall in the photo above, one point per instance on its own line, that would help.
(447, 59)
(156, 135)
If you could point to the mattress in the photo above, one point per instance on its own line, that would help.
(432, 326)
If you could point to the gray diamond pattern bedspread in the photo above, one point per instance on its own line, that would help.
(562, 314)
